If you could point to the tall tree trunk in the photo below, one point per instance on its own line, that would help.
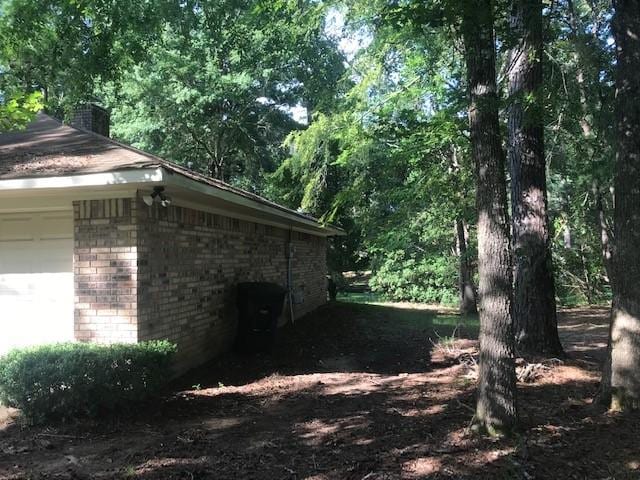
(496, 408)
(605, 237)
(534, 303)
(588, 287)
(465, 281)
(621, 373)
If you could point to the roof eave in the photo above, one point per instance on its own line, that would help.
(116, 177)
(290, 217)
(162, 175)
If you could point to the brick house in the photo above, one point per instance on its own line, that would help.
(90, 252)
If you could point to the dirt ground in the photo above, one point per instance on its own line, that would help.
(366, 392)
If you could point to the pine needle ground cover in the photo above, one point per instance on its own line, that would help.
(355, 391)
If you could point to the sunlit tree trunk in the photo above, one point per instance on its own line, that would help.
(534, 303)
(496, 409)
(465, 279)
(621, 373)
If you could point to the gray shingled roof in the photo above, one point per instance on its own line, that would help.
(48, 148)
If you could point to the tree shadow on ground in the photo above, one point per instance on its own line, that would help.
(584, 332)
(341, 337)
(299, 419)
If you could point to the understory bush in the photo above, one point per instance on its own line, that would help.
(67, 380)
(425, 279)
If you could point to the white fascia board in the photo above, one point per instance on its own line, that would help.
(120, 177)
(165, 177)
(288, 219)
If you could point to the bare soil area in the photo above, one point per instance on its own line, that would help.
(366, 392)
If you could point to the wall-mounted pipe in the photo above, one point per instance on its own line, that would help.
(289, 254)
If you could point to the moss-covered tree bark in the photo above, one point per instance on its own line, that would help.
(496, 408)
(621, 374)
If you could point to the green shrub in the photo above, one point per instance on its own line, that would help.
(63, 381)
(400, 277)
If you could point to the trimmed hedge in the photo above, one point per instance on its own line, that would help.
(67, 380)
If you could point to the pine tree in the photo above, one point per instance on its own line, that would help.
(621, 374)
(496, 409)
(534, 303)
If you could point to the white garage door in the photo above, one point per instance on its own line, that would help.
(36, 278)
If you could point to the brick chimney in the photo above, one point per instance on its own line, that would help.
(90, 116)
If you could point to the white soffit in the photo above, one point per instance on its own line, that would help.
(257, 209)
(89, 184)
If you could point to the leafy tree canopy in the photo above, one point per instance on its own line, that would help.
(362, 124)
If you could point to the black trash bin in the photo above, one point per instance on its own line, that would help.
(259, 307)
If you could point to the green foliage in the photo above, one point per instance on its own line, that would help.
(579, 146)
(579, 270)
(210, 84)
(385, 154)
(62, 381)
(391, 166)
(19, 110)
(63, 47)
(428, 279)
(217, 88)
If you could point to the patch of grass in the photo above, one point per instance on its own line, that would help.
(455, 320)
(394, 319)
(129, 471)
(443, 325)
(447, 340)
(368, 298)
(359, 297)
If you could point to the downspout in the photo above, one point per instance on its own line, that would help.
(290, 274)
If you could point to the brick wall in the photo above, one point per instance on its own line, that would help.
(189, 263)
(145, 273)
(105, 270)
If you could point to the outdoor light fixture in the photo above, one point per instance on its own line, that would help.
(157, 196)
